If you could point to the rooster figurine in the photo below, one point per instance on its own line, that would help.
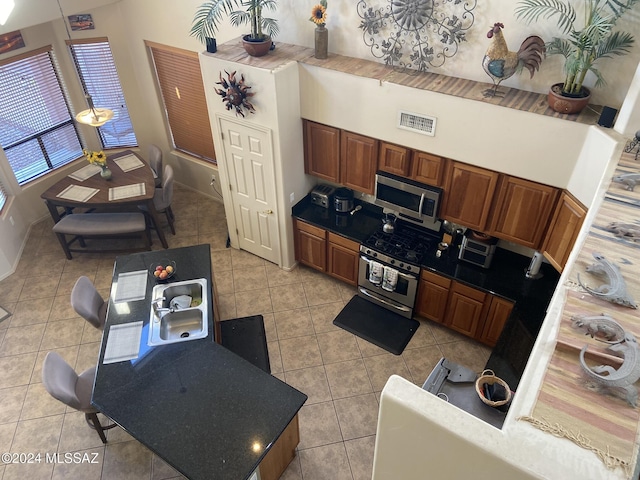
(500, 63)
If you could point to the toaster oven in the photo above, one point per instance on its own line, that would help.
(478, 251)
(321, 195)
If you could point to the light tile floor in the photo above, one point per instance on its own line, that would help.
(342, 374)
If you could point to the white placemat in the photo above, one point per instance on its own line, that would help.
(85, 172)
(127, 191)
(129, 162)
(77, 193)
(123, 342)
(131, 286)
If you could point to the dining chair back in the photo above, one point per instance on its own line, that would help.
(64, 384)
(88, 303)
(155, 161)
(164, 196)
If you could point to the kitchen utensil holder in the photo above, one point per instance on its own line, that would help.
(488, 377)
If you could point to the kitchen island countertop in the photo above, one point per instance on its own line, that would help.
(201, 408)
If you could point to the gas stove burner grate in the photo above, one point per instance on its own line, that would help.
(406, 244)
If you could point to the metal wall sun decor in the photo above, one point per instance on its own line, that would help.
(235, 93)
(415, 35)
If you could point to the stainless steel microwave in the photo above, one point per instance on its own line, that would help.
(412, 200)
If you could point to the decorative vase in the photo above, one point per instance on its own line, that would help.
(256, 48)
(563, 103)
(322, 42)
(105, 173)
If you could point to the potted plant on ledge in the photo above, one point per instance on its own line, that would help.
(240, 12)
(582, 47)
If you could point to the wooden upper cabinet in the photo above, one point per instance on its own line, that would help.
(427, 168)
(321, 150)
(522, 210)
(468, 194)
(358, 161)
(394, 159)
(563, 230)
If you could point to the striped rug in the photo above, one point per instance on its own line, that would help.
(568, 404)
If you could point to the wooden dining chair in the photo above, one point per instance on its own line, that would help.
(64, 384)
(88, 303)
(155, 161)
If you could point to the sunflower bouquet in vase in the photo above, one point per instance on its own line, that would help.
(319, 17)
(99, 159)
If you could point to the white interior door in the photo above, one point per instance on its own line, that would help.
(249, 163)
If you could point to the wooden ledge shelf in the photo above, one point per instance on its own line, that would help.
(513, 98)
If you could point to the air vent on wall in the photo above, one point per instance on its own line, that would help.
(417, 123)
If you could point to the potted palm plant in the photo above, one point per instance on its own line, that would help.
(240, 12)
(582, 46)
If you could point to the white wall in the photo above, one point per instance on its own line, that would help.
(498, 138)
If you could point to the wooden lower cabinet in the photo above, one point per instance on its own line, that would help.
(342, 256)
(433, 294)
(275, 462)
(474, 313)
(465, 309)
(497, 315)
(310, 245)
(327, 252)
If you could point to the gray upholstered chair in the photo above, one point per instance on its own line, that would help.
(155, 161)
(64, 384)
(163, 197)
(88, 303)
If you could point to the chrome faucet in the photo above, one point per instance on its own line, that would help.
(160, 311)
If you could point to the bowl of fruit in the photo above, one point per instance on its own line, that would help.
(163, 270)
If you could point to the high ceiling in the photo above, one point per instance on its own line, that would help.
(33, 12)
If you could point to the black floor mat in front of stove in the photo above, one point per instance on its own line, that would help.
(377, 325)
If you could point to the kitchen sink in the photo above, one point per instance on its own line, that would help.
(179, 312)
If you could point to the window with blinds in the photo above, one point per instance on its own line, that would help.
(3, 197)
(37, 131)
(98, 75)
(180, 82)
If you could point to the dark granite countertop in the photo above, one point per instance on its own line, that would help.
(505, 278)
(201, 408)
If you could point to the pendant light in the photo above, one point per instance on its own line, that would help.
(93, 116)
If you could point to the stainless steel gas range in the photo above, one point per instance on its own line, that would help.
(389, 268)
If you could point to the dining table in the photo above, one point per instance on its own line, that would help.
(132, 184)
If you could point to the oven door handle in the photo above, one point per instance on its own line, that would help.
(421, 204)
(401, 274)
(378, 298)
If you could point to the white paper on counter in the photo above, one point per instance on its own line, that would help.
(131, 286)
(123, 342)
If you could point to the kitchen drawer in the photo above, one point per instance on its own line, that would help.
(435, 279)
(305, 227)
(344, 242)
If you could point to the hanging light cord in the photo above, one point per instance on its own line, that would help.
(96, 122)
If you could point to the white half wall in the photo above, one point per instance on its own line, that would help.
(498, 138)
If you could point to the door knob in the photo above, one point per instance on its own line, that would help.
(268, 212)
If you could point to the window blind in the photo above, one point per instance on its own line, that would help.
(180, 80)
(37, 132)
(3, 197)
(98, 75)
